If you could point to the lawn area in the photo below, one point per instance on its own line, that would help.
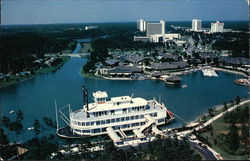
(85, 47)
(220, 127)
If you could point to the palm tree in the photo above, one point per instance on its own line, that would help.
(37, 128)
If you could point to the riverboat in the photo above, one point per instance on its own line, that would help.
(118, 114)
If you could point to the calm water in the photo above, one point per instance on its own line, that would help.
(36, 97)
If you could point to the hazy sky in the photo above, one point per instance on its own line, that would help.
(81, 11)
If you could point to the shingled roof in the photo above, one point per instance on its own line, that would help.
(125, 69)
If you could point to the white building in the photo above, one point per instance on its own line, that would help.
(164, 37)
(156, 28)
(90, 27)
(141, 25)
(217, 27)
(196, 25)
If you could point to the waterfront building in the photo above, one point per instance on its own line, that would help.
(196, 25)
(141, 25)
(117, 114)
(217, 27)
(156, 28)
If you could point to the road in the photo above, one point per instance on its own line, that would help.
(204, 151)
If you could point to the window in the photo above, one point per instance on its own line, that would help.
(79, 123)
(137, 117)
(96, 130)
(112, 120)
(132, 117)
(124, 110)
(107, 121)
(117, 120)
(112, 112)
(127, 118)
(102, 122)
(97, 122)
(161, 120)
(142, 123)
(141, 116)
(92, 123)
(122, 119)
(87, 123)
(83, 123)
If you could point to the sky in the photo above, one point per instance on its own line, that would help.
(85, 11)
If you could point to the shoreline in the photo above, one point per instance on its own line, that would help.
(178, 73)
(216, 108)
(37, 73)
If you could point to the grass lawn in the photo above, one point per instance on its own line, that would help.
(220, 127)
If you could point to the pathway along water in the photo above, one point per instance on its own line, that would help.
(36, 97)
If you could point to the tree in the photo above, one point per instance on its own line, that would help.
(5, 121)
(37, 128)
(3, 137)
(237, 99)
(225, 106)
(233, 138)
(244, 133)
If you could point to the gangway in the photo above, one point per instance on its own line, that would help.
(138, 134)
(112, 134)
(124, 136)
(157, 131)
(149, 121)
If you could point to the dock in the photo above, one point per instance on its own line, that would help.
(209, 73)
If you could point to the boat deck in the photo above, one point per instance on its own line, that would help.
(65, 132)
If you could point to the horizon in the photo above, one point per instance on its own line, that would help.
(3, 25)
(28, 12)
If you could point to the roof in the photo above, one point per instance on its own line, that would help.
(111, 61)
(173, 78)
(172, 65)
(235, 61)
(112, 105)
(125, 69)
(158, 74)
(212, 56)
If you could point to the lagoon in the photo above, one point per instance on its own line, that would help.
(36, 97)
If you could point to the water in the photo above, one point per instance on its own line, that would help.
(36, 97)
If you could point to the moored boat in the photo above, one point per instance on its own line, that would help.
(244, 82)
(123, 113)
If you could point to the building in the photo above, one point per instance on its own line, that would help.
(141, 25)
(217, 27)
(90, 27)
(196, 25)
(156, 28)
(164, 37)
(143, 38)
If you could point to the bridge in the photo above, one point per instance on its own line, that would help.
(79, 55)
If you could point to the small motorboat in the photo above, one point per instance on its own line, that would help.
(30, 128)
(12, 111)
(184, 86)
